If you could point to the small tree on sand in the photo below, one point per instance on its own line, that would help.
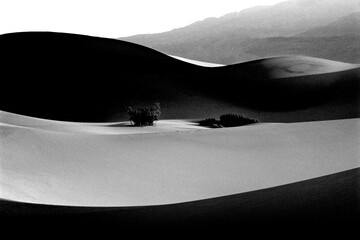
(145, 116)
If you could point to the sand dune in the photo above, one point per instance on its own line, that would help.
(101, 77)
(196, 62)
(175, 169)
(315, 204)
(103, 165)
(296, 83)
(113, 128)
(295, 66)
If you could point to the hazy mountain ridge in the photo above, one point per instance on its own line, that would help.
(230, 50)
(236, 37)
(348, 25)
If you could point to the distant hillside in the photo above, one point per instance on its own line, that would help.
(348, 25)
(339, 48)
(283, 19)
(82, 78)
(231, 49)
(243, 36)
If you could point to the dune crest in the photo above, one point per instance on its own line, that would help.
(295, 66)
(197, 62)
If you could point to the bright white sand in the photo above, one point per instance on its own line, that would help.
(114, 128)
(101, 165)
(196, 62)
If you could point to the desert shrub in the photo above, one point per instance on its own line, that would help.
(210, 122)
(227, 120)
(144, 116)
(233, 119)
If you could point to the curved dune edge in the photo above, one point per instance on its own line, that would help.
(68, 168)
(296, 66)
(332, 199)
(197, 62)
(112, 128)
(285, 66)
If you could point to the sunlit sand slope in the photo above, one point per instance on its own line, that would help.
(315, 204)
(73, 164)
(199, 63)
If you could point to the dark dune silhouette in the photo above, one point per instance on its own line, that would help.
(74, 77)
(82, 78)
(331, 200)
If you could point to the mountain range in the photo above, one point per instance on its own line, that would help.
(319, 28)
(348, 25)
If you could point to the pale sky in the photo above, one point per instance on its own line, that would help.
(113, 18)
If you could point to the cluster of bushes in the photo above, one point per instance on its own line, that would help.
(144, 116)
(228, 120)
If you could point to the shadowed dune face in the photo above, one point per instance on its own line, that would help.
(73, 77)
(296, 82)
(82, 78)
(295, 66)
